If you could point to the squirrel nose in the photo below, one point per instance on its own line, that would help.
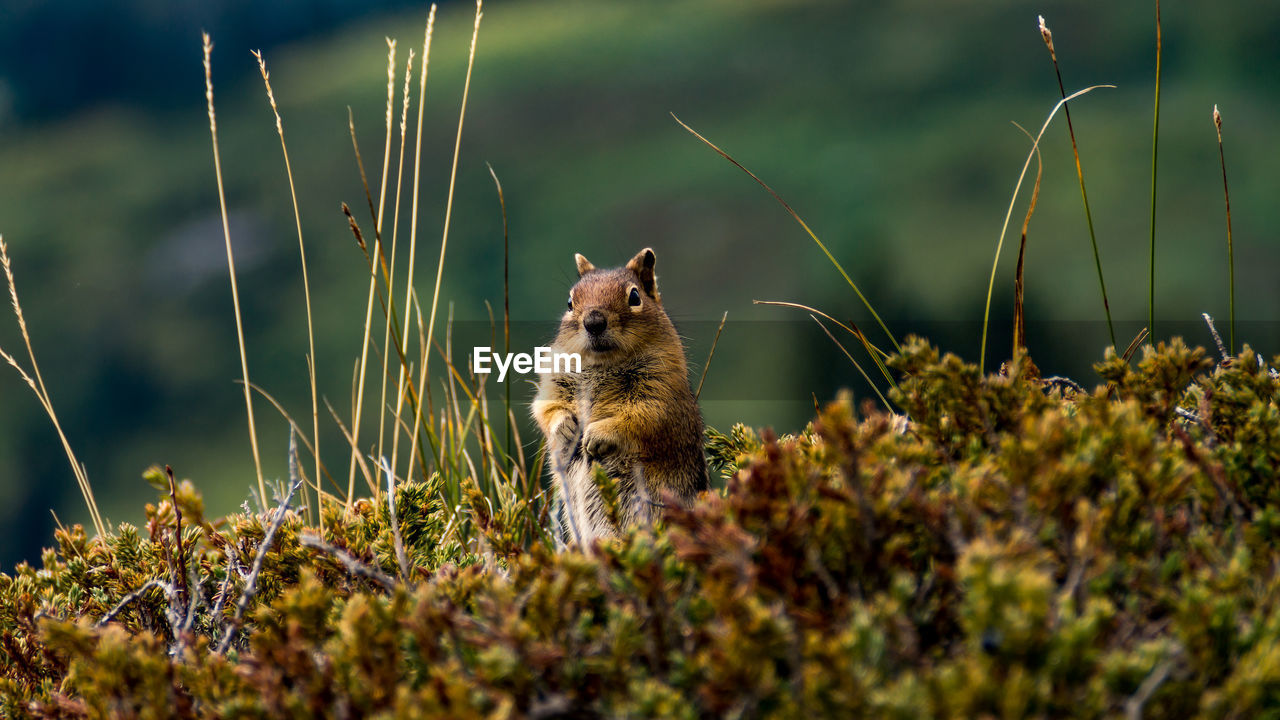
(595, 322)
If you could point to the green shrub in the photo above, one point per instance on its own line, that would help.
(1018, 550)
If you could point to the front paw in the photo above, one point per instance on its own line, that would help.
(564, 432)
(563, 439)
(600, 445)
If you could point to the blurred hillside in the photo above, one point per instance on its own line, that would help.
(886, 125)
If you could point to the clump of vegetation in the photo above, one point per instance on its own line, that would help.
(1018, 549)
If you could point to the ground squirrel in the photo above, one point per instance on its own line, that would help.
(630, 409)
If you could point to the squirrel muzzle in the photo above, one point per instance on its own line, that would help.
(596, 325)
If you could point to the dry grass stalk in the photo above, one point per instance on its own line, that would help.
(448, 208)
(358, 410)
(1155, 155)
(506, 293)
(231, 263)
(42, 394)
(861, 372)
(295, 430)
(1084, 196)
(364, 466)
(711, 355)
(306, 283)
(1231, 260)
(1019, 314)
(395, 226)
(413, 231)
(386, 152)
(1013, 199)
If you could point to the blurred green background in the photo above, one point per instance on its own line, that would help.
(886, 125)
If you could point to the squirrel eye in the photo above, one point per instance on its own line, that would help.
(570, 301)
(634, 299)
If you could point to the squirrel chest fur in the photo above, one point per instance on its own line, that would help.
(630, 410)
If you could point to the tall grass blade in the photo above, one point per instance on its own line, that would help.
(231, 263)
(986, 315)
(1231, 261)
(453, 176)
(358, 405)
(1019, 311)
(386, 152)
(1084, 195)
(444, 243)
(1155, 148)
(295, 428)
(423, 352)
(877, 355)
(803, 224)
(395, 227)
(506, 294)
(306, 282)
(710, 355)
(861, 372)
(413, 232)
(42, 394)
(357, 410)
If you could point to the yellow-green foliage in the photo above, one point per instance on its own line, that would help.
(1014, 553)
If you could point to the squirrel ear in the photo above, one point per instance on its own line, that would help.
(642, 265)
(584, 265)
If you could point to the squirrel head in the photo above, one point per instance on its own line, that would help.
(613, 311)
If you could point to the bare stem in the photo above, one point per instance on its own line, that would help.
(352, 565)
(251, 583)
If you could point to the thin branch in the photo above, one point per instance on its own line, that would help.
(251, 584)
(136, 594)
(396, 539)
(1217, 339)
(352, 565)
(1133, 706)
